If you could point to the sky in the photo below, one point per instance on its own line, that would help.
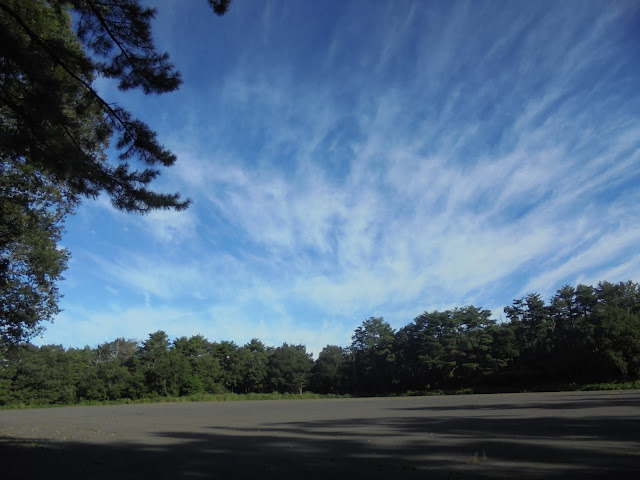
(350, 159)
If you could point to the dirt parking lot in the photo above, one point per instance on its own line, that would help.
(540, 435)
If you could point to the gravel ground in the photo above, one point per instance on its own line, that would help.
(537, 435)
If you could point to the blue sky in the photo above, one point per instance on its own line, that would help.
(356, 159)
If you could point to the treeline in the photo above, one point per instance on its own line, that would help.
(582, 335)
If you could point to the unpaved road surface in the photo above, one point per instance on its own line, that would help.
(539, 435)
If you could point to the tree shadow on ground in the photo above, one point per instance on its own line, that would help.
(367, 448)
(578, 402)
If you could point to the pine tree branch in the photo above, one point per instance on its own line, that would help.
(110, 111)
(131, 60)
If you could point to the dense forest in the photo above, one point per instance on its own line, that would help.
(583, 335)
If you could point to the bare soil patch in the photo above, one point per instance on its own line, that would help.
(538, 435)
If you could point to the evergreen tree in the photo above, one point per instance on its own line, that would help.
(373, 356)
(54, 130)
(290, 368)
(329, 370)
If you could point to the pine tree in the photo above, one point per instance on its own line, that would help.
(55, 129)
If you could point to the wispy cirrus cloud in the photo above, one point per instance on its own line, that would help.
(417, 158)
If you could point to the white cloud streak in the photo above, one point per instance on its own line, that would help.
(420, 170)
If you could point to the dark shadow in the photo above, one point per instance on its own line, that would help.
(451, 445)
(609, 429)
(577, 402)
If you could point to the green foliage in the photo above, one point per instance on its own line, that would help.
(615, 326)
(41, 376)
(56, 121)
(252, 365)
(54, 132)
(585, 334)
(167, 368)
(52, 122)
(289, 368)
(635, 385)
(328, 374)
(446, 349)
(373, 356)
(39, 110)
(228, 356)
(32, 211)
(585, 338)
